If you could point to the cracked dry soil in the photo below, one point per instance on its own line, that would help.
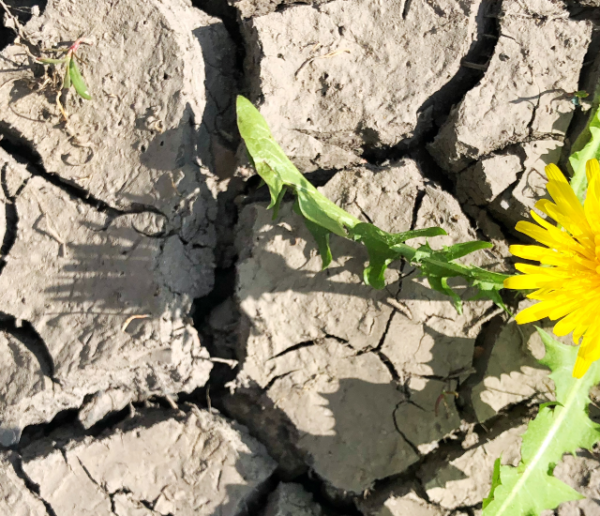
(166, 348)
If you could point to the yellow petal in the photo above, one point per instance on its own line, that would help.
(564, 196)
(549, 208)
(565, 240)
(536, 232)
(542, 293)
(592, 169)
(589, 352)
(577, 231)
(542, 205)
(554, 174)
(583, 326)
(567, 201)
(528, 281)
(592, 203)
(552, 272)
(578, 333)
(567, 324)
(560, 308)
(531, 314)
(538, 253)
(581, 367)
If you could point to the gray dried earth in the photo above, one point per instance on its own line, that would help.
(167, 348)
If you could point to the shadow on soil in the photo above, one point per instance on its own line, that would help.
(359, 421)
(366, 426)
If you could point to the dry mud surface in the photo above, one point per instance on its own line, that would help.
(166, 348)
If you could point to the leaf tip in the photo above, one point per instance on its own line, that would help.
(242, 102)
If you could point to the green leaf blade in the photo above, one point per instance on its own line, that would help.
(380, 253)
(559, 428)
(277, 170)
(273, 182)
(495, 483)
(278, 202)
(320, 210)
(321, 236)
(459, 250)
(548, 493)
(67, 79)
(588, 145)
(397, 238)
(322, 217)
(441, 285)
(77, 81)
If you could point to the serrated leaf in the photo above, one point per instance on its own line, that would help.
(438, 265)
(588, 147)
(77, 80)
(490, 291)
(495, 483)
(323, 212)
(322, 216)
(380, 246)
(321, 236)
(278, 203)
(548, 493)
(562, 428)
(550, 404)
(456, 251)
(277, 170)
(271, 178)
(398, 238)
(441, 285)
(380, 252)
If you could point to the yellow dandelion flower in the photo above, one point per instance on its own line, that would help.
(567, 284)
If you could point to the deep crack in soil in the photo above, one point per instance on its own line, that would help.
(434, 112)
(23, 153)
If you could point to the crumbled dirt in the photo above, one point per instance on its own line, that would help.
(167, 348)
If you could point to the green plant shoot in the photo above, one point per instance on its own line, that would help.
(587, 147)
(560, 427)
(323, 217)
(72, 76)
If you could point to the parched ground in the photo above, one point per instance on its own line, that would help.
(167, 349)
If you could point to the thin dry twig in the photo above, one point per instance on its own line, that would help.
(230, 362)
(400, 307)
(133, 318)
(333, 53)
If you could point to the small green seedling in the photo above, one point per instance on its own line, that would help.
(72, 75)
